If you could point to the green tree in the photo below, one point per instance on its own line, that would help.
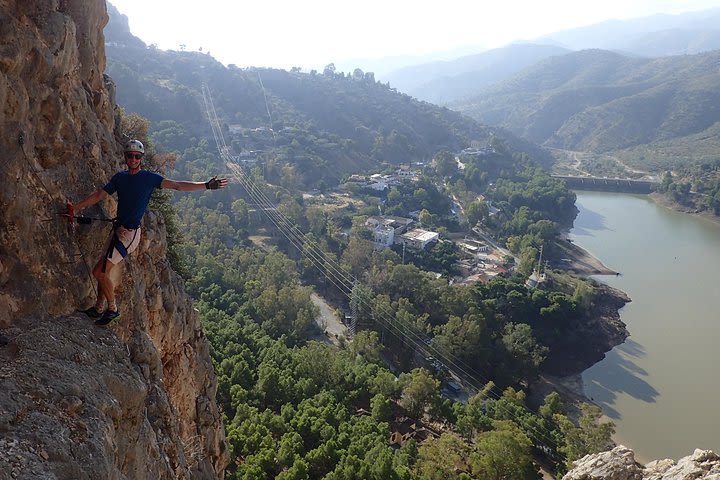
(445, 164)
(524, 354)
(552, 405)
(441, 458)
(503, 453)
(380, 406)
(476, 212)
(367, 344)
(528, 259)
(426, 218)
(589, 436)
(461, 337)
(241, 212)
(357, 255)
(419, 391)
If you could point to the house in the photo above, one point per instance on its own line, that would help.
(378, 186)
(383, 236)
(357, 178)
(476, 149)
(235, 129)
(473, 247)
(400, 224)
(405, 172)
(418, 238)
(403, 429)
(387, 228)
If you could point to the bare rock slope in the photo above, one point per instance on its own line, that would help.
(619, 464)
(133, 401)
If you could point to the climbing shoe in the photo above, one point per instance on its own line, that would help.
(107, 317)
(92, 313)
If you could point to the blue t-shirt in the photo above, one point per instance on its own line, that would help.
(133, 194)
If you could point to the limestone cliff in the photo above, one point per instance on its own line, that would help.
(619, 464)
(133, 401)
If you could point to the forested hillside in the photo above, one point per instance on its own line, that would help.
(599, 101)
(327, 123)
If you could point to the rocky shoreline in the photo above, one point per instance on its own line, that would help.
(598, 332)
(601, 331)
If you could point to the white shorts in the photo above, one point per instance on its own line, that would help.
(128, 237)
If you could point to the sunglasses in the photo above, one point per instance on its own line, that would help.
(136, 156)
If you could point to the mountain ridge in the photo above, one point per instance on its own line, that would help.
(601, 101)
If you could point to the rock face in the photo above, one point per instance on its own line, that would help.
(619, 464)
(133, 401)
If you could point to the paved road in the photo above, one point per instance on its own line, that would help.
(334, 328)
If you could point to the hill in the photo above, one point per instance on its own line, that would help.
(444, 82)
(600, 101)
(327, 124)
(654, 36)
(658, 35)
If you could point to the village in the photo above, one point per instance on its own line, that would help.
(480, 258)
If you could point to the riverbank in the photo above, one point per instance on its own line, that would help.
(579, 261)
(666, 202)
(598, 331)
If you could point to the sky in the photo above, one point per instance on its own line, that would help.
(313, 33)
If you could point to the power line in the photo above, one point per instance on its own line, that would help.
(342, 279)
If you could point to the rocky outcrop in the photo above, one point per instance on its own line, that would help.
(619, 464)
(592, 336)
(133, 401)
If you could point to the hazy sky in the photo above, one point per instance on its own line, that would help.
(312, 33)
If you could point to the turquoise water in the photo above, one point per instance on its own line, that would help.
(661, 387)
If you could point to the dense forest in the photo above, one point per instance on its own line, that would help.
(372, 404)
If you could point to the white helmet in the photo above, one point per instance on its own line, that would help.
(134, 146)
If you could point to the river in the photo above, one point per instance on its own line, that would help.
(661, 387)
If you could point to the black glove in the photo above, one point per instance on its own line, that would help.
(212, 184)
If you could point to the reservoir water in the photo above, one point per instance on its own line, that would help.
(662, 386)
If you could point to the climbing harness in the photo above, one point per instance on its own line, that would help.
(115, 242)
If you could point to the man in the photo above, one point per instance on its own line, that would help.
(134, 188)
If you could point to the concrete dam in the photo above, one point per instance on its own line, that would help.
(623, 185)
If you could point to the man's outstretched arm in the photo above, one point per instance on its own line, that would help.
(183, 186)
(91, 199)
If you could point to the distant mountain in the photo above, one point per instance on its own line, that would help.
(673, 42)
(444, 82)
(384, 65)
(652, 36)
(600, 101)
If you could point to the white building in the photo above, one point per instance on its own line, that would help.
(473, 247)
(378, 186)
(383, 236)
(387, 228)
(418, 239)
